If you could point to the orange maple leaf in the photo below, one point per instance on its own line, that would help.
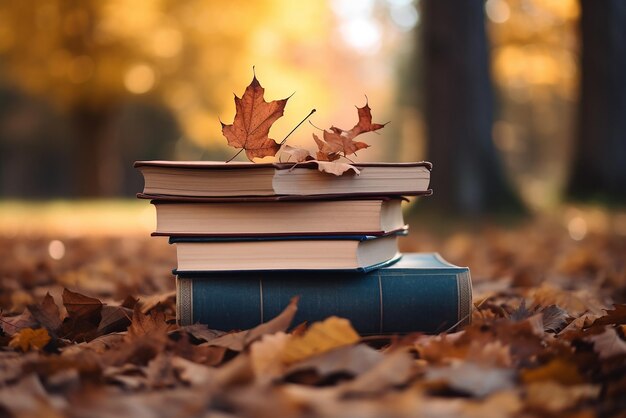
(338, 141)
(253, 119)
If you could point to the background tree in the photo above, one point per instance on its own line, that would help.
(129, 78)
(458, 108)
(599, 168)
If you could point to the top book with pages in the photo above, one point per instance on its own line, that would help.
(219, 179)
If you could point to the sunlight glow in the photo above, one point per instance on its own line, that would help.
(498, 11)
(404, 15)
(357, 26)
(56, 249)
(361, 34)
(139, 79)
(577, 228)
(167, 43)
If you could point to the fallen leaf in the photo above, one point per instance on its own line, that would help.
(152, 325)
(553, 397)
(192, 373)
(29, 338)
(201, 332)
(13, 324)
(352, 359)
(553, 317)
(608, 344)
(47, 313)
(382, 373)
(28, 398)
(253, 119)
(84, 315)
(615, 316)
(322, 336)
(114, 319)
(265, 356)
(471, 378)
(237, 341)
(149, 303)
(557, 370)
(81, 306)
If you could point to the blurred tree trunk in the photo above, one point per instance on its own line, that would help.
(600, 154)
(467, 175)
(93, 174)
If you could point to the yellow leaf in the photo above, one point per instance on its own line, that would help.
(319, 338)
(553, 397)
(557, 370)
(30, 338)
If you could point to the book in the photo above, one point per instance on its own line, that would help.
(341, 252)
(420, 293)
(218, 179)
(263, 216)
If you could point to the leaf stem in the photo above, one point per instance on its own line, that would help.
(297, 126)
(234, 156)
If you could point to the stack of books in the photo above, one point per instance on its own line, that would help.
(251, 236)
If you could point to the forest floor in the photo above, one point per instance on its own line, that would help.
(87, 329)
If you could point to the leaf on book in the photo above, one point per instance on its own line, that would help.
(28, 338)
(337, 141)
(336, 168)
(321, 337)
(295, 154)
(253, 119)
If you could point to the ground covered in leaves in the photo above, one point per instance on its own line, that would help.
(88, 330)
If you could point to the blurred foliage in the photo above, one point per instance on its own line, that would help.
(535, 54)
(189, 56)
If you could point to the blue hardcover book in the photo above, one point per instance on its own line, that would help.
(420, 293)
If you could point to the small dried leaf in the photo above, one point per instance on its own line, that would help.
(557, 370)
(30, 338)
(322, 336)
(265, 356)
(474, 379)
(152, 325)
(237, 341)
(608, 344)
(294, 154)
(13, 324)
(47, 313)
(555, 398)
(339, 141)
(82, 307)
(615, 316)
(336, 168)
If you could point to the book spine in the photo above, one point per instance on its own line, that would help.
(384, 301)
